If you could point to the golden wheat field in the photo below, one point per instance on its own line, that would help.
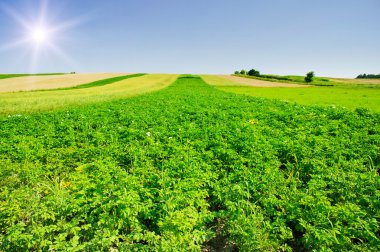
(28, 83)
(25, 102)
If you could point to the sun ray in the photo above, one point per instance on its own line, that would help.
(34, 60)
(14, 44)
(17, 17)
(69, 24)
(57, 50)
(43, 8)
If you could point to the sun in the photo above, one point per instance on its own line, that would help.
(42, 35)
(39, 35)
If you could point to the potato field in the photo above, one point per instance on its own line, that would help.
(187, 167)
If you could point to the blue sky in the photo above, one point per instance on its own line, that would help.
(332, 37)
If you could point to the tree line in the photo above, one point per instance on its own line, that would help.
(253, 72)
(368, 76)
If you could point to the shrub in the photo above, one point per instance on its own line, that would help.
(253, 72)
(309, 77)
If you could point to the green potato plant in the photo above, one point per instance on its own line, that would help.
(190, 168)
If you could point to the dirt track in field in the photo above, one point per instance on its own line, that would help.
(261, 83)
(28, 83)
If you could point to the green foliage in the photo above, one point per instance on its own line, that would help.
(309, 77)
(243, 72)
(268, 77)
(368, 76)
(253, 72)
(190, 168)
(317, 81)
(275, 77)
(236, 72)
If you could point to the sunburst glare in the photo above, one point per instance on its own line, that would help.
(40, 34)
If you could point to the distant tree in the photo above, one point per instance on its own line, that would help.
(368, 76)
(236, 72)
(309, 77)
(243, 72)
(253, 72)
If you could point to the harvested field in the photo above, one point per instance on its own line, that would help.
(260, 83)
(356, 81)
(25, 102)
(28, 83)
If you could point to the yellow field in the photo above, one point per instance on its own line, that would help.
(228, 80)
(216, 80)
(356, 81)
(28, 83)
(26, 102)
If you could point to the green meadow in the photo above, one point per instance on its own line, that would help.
(339, 93)
(317, 81)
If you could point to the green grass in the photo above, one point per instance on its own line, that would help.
(350, 95)
(189, 168)
(29, 102)
(7, 76)
(317, 81)
(349, 98)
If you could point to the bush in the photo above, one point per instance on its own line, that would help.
(243, 72)
(309, 77)
(253, 72)
(236, 72)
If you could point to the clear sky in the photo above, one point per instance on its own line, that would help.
(332, 37)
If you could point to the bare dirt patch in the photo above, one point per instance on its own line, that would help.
(28, 83)
(261, 83)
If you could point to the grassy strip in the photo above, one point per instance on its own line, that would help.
(7, 76)
(100, 83)
(318, 81)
